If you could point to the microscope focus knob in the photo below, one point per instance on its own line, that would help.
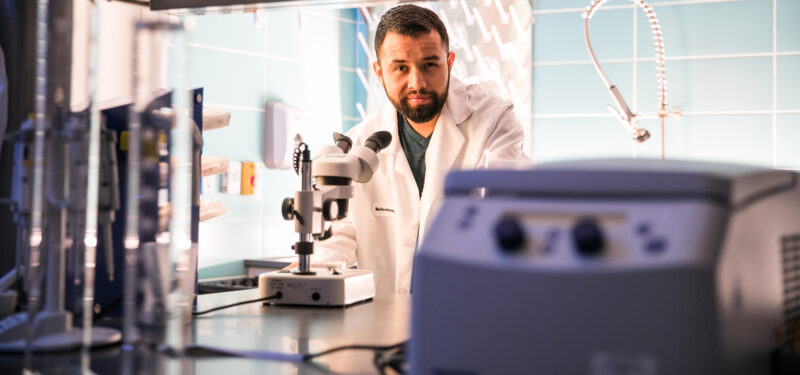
(510, 235)
(287, 209)
(330, 210)
(588, 237)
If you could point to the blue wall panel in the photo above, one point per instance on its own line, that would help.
(788, 82)
(303, 58)
(788, 141)
(713, 28)
(719, 70)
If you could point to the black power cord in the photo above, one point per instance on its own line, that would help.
(394, 359)
(387, 356)
(379, 348)
(274, 296)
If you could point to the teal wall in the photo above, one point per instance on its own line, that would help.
(720, 59)
(306, 59)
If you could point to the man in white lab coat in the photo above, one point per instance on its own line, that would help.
(437, 124)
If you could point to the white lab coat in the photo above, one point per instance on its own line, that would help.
(475, 130)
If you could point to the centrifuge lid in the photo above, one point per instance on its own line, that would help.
(620, 178)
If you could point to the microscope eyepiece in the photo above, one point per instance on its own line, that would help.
(378, 140)
(342, 141)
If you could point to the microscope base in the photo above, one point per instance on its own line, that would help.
(325, 288)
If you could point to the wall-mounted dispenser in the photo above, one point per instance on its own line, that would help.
(282, 126)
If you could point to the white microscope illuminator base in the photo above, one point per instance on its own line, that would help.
(328, 287)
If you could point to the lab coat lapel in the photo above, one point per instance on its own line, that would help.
(389, 123)
(407, 198)
(445, 147)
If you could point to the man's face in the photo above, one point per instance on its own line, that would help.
(415, 72)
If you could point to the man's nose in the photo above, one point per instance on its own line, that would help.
(416, 80)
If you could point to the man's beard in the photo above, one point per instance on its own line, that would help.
(421, 113)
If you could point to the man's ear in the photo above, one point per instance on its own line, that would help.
(376, 66)
(451, 58)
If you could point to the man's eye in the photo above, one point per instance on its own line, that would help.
(431, 65)
(400, 68)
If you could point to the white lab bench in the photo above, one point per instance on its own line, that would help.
(383, 321)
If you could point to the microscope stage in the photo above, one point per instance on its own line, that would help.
(325, 288)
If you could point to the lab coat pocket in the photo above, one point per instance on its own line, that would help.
(383, 209)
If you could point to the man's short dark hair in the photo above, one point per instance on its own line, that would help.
(410, 20)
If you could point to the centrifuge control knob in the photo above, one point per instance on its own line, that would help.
(588, 237)
(510, 235)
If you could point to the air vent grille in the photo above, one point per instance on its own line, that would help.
(790, 251)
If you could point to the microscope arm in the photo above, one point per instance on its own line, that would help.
(333, 172)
